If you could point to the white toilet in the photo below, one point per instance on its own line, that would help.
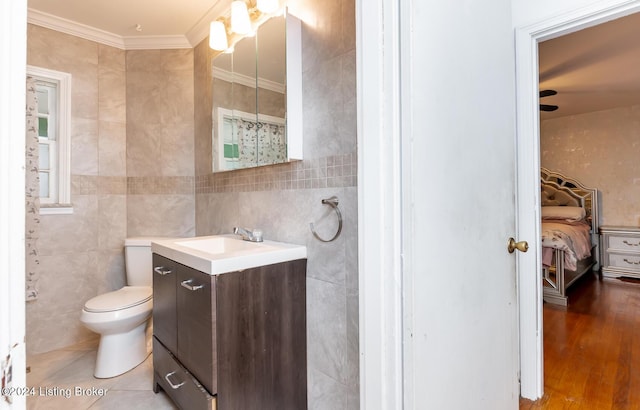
(121, 317)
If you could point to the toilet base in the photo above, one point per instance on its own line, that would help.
(118, 353)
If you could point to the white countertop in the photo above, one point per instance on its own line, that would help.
(226, 253)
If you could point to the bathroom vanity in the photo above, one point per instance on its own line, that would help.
(234, 339)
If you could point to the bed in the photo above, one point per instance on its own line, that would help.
(569, 229)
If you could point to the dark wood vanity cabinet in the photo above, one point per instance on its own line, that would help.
(164, 311)
(195, 302)
(232, 341)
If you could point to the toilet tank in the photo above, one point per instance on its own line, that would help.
(138, 260)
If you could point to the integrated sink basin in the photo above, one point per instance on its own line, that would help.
(226, 253)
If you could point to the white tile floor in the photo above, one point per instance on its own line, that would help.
(63, 379)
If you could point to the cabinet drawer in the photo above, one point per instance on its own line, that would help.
(178, 383)
(624, 243)
(627, 262)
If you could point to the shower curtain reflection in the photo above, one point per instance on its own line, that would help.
(247, 142)
(32, 182)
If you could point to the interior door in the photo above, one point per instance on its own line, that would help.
(460, 305)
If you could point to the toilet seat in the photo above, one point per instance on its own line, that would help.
(124, 298)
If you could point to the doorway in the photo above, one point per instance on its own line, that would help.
(528, 165)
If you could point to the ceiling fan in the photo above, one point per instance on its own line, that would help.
(547, 107)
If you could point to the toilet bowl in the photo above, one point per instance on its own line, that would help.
(121, 317)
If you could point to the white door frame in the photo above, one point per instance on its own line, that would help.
(528, 174)
(379, 214)
(13, 46)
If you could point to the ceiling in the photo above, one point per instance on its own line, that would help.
(156, 24)
(162, 23)
(593, 69)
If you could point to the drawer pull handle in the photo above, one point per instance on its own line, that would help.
(160, 270)
(630, 262)
(630, 244)
(187, 284)
(173, 386)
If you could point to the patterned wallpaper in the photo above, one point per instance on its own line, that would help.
(601, 150)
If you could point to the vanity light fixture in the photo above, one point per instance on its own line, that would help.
(218, 36)
(242, 21)
(267, 6)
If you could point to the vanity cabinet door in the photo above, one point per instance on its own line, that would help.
(262, 337)
(165, 272)
(196, 300)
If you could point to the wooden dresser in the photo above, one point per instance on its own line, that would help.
(620, 247)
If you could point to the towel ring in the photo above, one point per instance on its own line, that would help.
(333, 202)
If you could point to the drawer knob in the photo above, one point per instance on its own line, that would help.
(631, 262)
(173, 385)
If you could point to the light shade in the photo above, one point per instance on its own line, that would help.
(240, 22)
(218, 36)
(267, 6)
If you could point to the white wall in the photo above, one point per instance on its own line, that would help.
(525, 12)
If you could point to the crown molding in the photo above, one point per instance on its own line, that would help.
(104, 37)
(56, 23)
(155, 42)
(248, 81)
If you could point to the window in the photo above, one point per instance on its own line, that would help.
(54, 111)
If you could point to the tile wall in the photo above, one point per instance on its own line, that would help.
(160, 150)
(283, 199)
(81, 254)
(132, 173)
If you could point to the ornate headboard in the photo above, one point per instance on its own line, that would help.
(559, 190)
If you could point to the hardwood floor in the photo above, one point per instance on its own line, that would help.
(592, 348)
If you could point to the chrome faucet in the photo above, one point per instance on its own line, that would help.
(254, 235)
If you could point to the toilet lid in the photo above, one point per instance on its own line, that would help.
(120, 299)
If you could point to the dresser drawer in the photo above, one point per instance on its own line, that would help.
(178, 383)
(628, 262)
(623, 243)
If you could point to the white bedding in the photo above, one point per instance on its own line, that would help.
(573, 239)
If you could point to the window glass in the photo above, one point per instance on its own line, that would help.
(47, 94)
(44, 184)
(43, 127)
(44, 160)
(43, 99)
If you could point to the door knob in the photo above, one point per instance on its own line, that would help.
(512, 245)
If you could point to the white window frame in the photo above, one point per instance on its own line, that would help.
(61, 177)
(51, 140)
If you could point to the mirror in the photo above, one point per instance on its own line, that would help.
(257, 98)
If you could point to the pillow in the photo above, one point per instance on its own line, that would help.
(564, 213)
